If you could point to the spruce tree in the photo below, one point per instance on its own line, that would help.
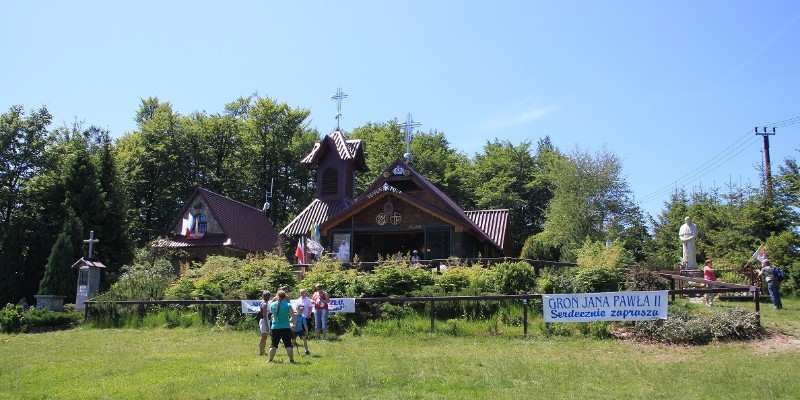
(59, 279)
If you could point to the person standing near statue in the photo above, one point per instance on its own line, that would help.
(688, 235)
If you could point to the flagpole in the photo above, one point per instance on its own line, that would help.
(305, 250)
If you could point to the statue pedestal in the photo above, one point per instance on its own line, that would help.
(49, 301)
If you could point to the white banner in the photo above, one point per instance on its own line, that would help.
(610, 306)
(342, 305)
(251, 306)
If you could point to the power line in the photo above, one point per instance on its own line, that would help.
(730, 152)
(704, 169)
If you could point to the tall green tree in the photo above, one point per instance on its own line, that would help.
(512, 177)
(59, 279)
(24, 145)
(588, 192)
(276, 137)
(153, 170)
(114, 248)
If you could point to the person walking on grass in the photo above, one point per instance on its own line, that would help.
(321, 300)
(263, 322)
(283, 319)
(773, 283)
(300, 329)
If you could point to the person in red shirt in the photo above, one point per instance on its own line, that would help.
(321, 300)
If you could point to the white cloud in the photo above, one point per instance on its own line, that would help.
(515, 116)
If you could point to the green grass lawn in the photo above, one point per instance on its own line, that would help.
(200, 363)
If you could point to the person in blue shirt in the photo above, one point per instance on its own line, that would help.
(301, 328)
(283, 319)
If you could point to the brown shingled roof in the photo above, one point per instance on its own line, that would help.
(346, 149)
(244, 227)
(451, 211)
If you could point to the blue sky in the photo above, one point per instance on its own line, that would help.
(672, 88)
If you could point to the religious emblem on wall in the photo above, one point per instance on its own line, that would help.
(395, 219)
(388, 207)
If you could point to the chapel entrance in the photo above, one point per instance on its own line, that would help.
(369, 245)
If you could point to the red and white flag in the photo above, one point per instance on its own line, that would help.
(300, 253)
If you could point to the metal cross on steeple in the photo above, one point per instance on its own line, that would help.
(91, 242)
(338, 96)
(408, 127)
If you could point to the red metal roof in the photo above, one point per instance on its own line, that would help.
(243, 227)
(493, 222)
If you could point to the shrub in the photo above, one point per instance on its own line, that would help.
(337, 282)
(483, 280)
(556, 280)
(398, 280)
(597, 254)
(515, 278)
(146, 279)
(454, 279)
(639, 278)
(685, 327)
(598, 279)
(13, 320)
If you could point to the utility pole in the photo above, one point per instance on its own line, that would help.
(768, 175)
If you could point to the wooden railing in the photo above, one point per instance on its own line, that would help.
(523, 298)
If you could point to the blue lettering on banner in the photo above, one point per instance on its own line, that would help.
(612, 306)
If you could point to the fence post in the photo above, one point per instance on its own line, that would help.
(525, 317)
(672, 287)
(757, 300)
(433, 315)
(203, 313)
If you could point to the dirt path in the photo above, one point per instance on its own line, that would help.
(775, 341)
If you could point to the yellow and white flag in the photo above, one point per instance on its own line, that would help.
(761, 253)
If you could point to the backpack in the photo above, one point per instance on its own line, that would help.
(778, 273)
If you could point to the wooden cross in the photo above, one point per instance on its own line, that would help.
(91, 242)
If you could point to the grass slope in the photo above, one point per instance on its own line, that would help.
(208, 363)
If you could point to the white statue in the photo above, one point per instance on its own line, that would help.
(688, 235)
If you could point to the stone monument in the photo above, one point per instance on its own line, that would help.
(88, 275)
(688, 235)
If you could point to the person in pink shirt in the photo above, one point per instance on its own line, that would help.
(709, 275)
(321, 300)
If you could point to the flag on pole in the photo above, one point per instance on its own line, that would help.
(300, 253)
(761, 253)
(314, 247)
(316, 232)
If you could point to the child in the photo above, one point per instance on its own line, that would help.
(300, 329)
(709, 275)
